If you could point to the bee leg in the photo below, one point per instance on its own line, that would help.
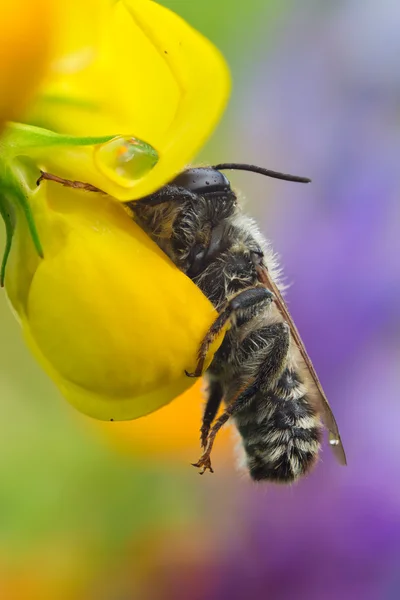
(78, 185)
(271, 367)
(242, 400)
(213, 403)
(245, 304)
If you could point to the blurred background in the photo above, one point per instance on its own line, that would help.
(115, 511)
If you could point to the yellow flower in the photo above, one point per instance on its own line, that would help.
(109, 317)
(24, 52)
(132, 67)
(112, 321)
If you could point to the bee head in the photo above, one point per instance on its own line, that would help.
(206, 181)
(203, 181)
(209, 180)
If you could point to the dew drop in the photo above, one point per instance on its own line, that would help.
(124, 159)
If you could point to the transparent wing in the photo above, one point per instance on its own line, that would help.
(335, 441)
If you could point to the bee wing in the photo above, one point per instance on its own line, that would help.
(335, 441)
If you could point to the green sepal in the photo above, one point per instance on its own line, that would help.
(18, 138)
(5, 211)
(14, 190)
(22, 200)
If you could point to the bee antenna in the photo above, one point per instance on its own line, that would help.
(261, 171)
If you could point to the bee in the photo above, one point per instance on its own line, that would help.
(261, 372)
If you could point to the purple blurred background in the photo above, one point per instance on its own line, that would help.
(324, 101)
(316, 93)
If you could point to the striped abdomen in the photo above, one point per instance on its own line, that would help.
(281, 431)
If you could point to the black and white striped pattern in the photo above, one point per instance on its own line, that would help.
(281, 432)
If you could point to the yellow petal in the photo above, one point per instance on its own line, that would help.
(110, 318)
(25, 36)
(140, 71)
(173, 430)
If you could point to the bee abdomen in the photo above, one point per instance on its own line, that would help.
(281, 434)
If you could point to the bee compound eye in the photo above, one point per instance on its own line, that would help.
(202, 181)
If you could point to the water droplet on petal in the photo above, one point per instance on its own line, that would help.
(124, 160)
